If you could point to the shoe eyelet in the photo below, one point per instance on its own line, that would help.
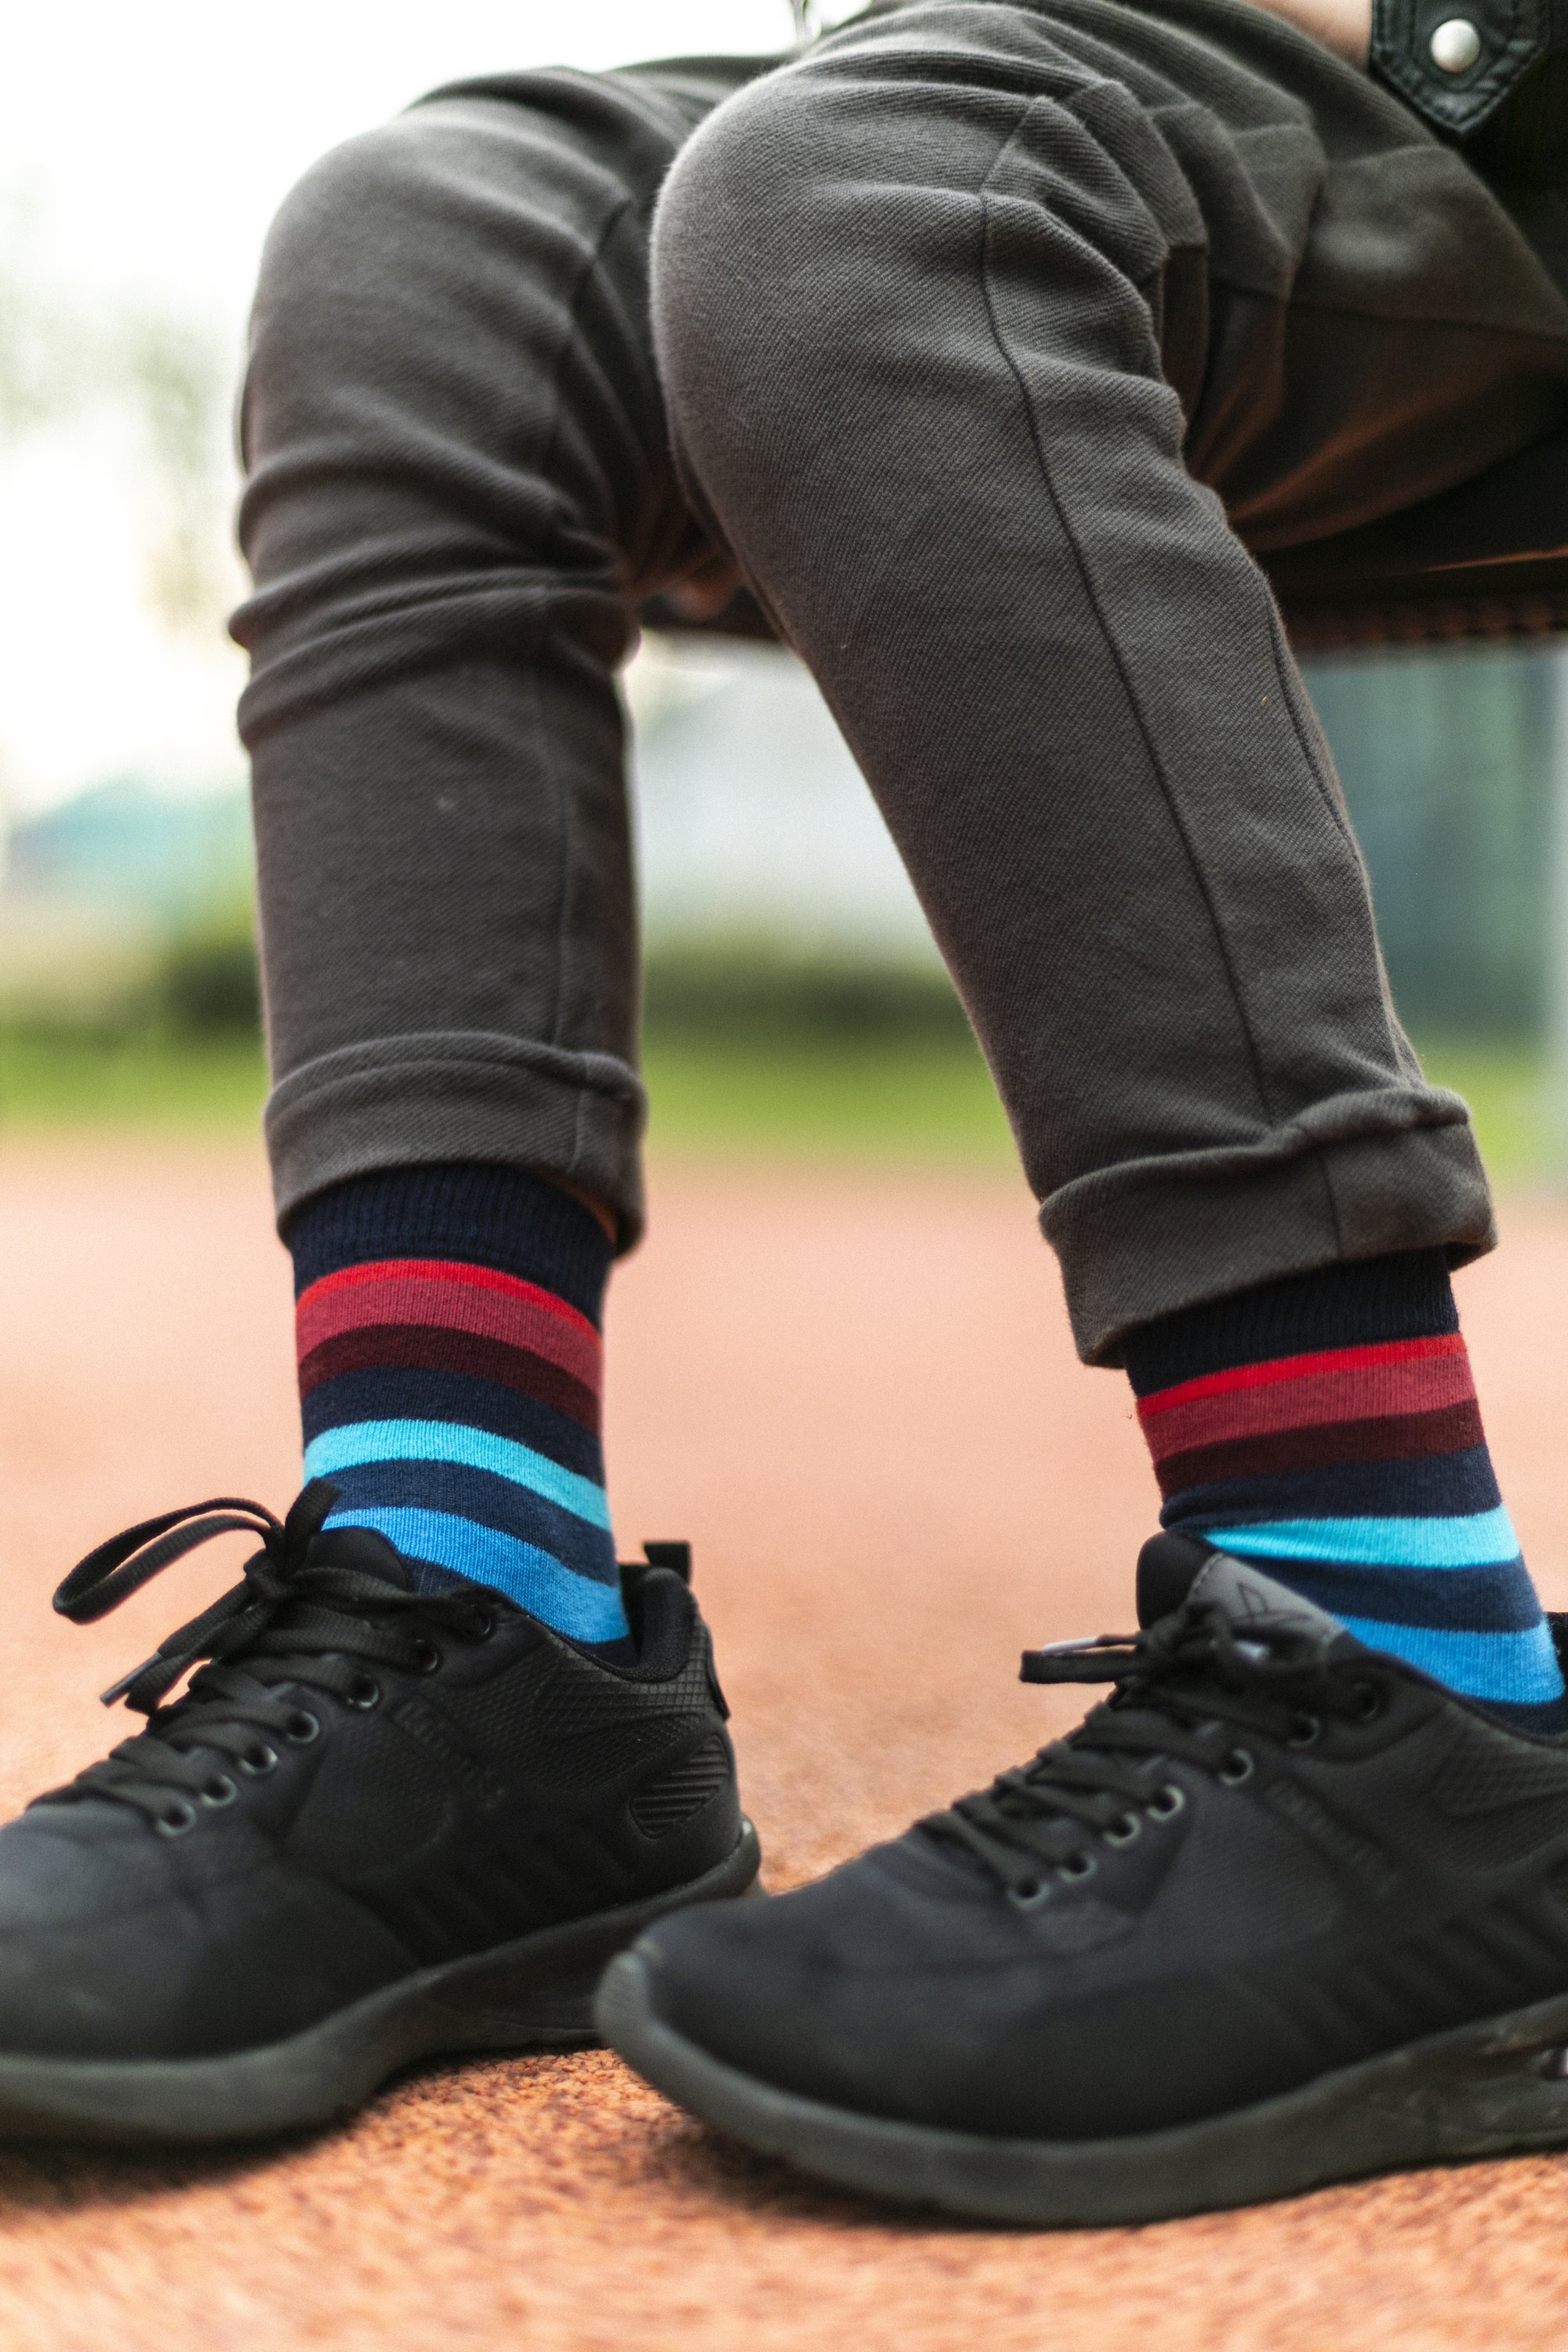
(1304, 1730)
(1367, 1702)
(1076, 1868)
(219, 1791)
(175, 1820)
(258, 1760)
(1027, 1894)
(426, 1656)
(365, 1691)
(1166, 1802)
(1236, 1768)
(1123, 1831)
(301, 1728)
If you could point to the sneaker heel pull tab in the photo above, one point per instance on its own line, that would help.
(675, 1556)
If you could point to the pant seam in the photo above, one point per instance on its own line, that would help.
(1092, 599)
(618, 212)
(1342, 826)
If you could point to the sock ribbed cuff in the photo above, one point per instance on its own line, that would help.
(1360, 1304)
(498, 1217)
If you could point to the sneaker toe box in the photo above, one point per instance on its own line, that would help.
(115, 1943)
(906, 1989)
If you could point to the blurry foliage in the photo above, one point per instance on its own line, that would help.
(1449, 763)
(164, 378)
(177, 379)
(746, 985)
(199, 985)
(43, 357)
(204, 982)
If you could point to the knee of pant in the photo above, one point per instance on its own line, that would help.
(821, 227)
(344, 256)
(747, 296)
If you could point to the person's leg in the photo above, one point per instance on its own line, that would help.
(459, 478)
(437, 1756)
(1326, 1426)
(1010, 296)
(450, 1327)
(996, 310)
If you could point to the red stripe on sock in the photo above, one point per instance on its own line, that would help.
(476, 1277)
(1312, 1398)
(1292, 1367)
(452, 1296)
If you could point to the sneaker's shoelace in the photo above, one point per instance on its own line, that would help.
(288, 1620)
(1185, 1688)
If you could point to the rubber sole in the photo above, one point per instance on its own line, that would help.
(534, 1994)
(1487, 2089)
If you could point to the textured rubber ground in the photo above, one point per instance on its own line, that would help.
(1481, 2090)
(534, 1994)
(855, 1393)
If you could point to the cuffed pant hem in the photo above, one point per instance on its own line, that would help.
(405, 1102)
(1358, 1176)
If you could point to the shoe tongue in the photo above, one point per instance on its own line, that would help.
(1172, 1569)
(359, 1548)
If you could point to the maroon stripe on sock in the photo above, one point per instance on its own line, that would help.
(430, 1347)
(1392, 1437)
(1174, 1419)
(450, 1296)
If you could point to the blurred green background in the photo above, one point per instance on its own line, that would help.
(802, 1017)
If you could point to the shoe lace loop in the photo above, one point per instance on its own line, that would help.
(1184, 1689)
(122, 1566)
(290, 1622)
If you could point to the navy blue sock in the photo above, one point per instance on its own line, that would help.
(450, 1375)
(1326, 1426)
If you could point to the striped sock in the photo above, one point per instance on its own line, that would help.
(447, 1320)
(1326, 1426)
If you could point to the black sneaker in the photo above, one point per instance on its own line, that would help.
(380, 1825)
(1280, 1912)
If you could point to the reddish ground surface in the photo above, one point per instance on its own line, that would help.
(858, 1398)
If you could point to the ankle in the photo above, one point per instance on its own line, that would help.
(1405, 1296)
(1326, 1428)
(505, 1218)
(450, 1373)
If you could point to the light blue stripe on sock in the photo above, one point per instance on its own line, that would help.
(1484, 1540)
(1519, 1668)
(535, 1580)
(359, 1442)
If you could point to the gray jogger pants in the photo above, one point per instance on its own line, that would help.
(984, 340)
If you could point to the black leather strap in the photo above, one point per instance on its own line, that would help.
(1514, 38)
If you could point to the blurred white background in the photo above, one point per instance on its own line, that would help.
(143, 153)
